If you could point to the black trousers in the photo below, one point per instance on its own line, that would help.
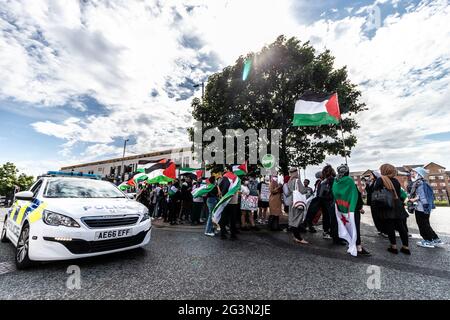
(174, 211)
(228, 217)
(390, 225)
(423, 222)
(313, 208)
(358, 227)
(274, 223)
(377, 221)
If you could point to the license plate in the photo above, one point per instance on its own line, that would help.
(112, 234)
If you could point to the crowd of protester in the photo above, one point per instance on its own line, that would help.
(389, 203)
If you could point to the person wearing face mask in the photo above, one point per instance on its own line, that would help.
(422, 196)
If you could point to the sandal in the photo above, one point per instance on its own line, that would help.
(300, 241)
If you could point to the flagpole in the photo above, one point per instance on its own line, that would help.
(342, 130)
(343, 142)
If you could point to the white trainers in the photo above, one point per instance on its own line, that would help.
(211, 234)
(326, 236)
(438, 242)
(425, 244)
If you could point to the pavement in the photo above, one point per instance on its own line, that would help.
(182, 263)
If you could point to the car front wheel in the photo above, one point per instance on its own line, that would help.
(23, 246)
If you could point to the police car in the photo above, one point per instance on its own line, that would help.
(68, 217)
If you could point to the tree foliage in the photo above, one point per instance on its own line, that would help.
(9, 178)
(280, 73)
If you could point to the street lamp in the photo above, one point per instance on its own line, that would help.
(123, 158)
(203, 88)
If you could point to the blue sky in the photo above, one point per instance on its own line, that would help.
(78, 78)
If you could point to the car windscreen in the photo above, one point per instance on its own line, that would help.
(81, 188)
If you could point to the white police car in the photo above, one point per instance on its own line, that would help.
(71, 217)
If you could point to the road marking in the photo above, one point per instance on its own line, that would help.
(7, 267)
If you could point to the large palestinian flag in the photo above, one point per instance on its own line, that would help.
(346, 194)
(235, 186)
(163, 175)
(316, 110)
(240, 170)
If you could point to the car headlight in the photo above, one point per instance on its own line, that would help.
(56, 219)
(146, 215)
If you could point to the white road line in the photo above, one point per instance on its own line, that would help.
(7, 267)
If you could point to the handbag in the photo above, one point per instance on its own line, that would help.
(383, 198)
(299, 199)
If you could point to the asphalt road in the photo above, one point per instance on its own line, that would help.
(182, 263)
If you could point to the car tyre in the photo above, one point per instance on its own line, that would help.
(22, 251)
(3, 237)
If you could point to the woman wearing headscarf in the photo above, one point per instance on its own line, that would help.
(275, 203)
(392, 218)
(295, 215)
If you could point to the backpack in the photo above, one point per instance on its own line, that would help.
(430, 197)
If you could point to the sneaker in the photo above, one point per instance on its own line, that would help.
(211, 234)
(326, 236)
(425, 244)
(438, 242)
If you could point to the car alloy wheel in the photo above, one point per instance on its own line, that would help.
(22, 250)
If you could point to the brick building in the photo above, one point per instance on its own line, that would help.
(438, 178)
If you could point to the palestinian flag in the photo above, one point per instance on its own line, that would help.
(240, 170)
(346, 194)
(149, 167)
(316, 110)
(124, 186)
(235, 186)
(139, 177)
(189, 170)
(161, 172)
(203, 190)
(172, 191)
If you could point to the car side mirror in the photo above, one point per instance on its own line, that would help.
(24, 195)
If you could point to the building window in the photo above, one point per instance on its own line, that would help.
(433, 184)
(432, 177)
(442, 184)
(435, 191)
(441, 177)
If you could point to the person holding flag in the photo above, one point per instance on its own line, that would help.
(348, 211)
(212, 193)
(225, 211)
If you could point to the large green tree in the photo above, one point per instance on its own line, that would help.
(279, 74)
(9, 179)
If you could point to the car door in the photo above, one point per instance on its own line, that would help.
(18, 213)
